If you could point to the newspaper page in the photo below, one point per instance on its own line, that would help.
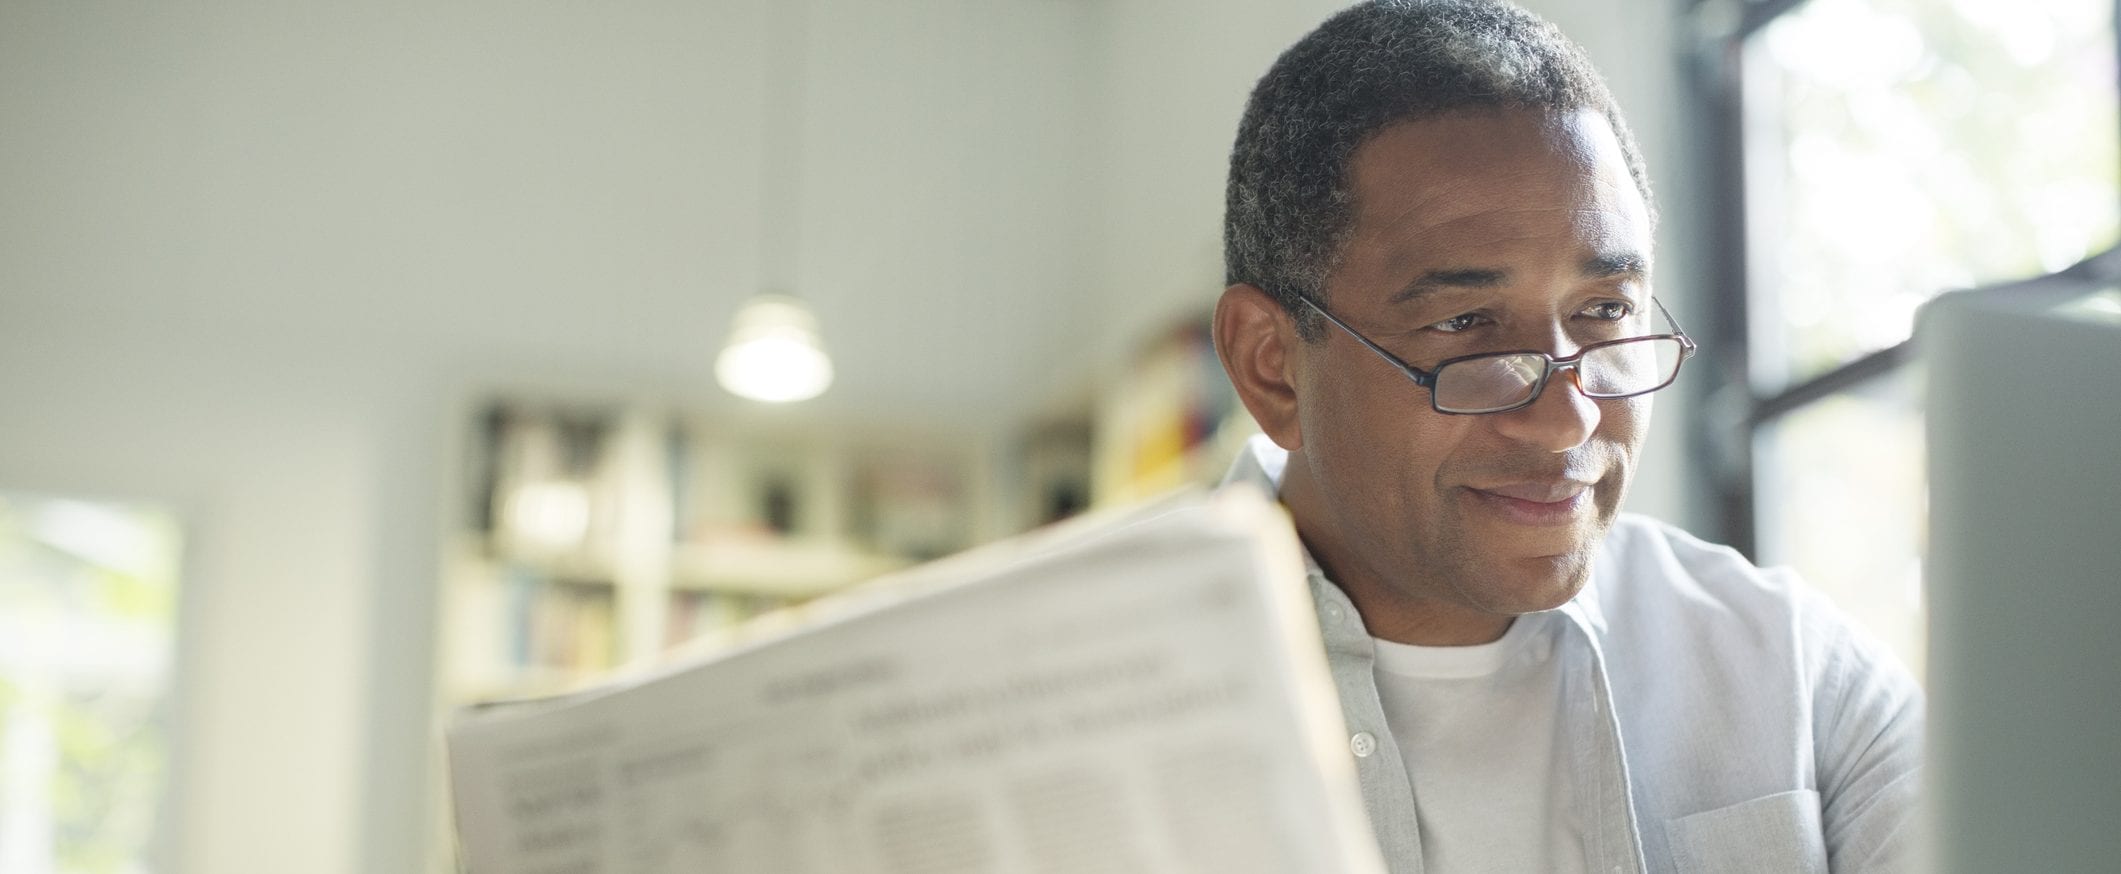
(1142, 695)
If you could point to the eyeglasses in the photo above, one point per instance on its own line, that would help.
(1498, 382)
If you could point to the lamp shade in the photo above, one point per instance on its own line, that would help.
(774, 354)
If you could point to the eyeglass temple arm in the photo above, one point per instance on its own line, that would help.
(1686, 343)
(1423, 378)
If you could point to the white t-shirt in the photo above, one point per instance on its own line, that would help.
(1480, 730)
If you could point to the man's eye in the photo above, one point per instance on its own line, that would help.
(1610, 310)
(1457, 323)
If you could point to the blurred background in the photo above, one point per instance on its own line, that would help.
(359, 361)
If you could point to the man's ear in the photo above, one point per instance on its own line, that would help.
(1256, 340)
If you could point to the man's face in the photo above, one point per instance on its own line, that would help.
(1473, 232)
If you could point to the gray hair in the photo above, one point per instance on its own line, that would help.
(1371, 66)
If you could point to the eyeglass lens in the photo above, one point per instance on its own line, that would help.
(1501, 381)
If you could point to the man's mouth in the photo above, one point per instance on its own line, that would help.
(1545, 503)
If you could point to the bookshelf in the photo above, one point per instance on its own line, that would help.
(598, 535)
(594, 533)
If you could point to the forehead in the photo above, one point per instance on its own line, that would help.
(1497, 185)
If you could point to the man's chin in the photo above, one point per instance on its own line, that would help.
(1533, 584)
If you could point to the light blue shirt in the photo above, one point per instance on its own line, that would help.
(1719, 717)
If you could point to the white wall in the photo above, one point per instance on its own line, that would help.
(254, 254)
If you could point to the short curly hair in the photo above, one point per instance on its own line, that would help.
(1373, 65)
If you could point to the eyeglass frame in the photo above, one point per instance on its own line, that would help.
(1427, 378)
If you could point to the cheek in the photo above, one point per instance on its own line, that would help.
(1626, 422)
(1378, 436)
(1619, 442)
(1345, 405)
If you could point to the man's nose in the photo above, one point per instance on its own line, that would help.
(1560, 419)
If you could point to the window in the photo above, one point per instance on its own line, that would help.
(1886, 151)
(87, 620)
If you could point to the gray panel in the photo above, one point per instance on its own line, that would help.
(2025, 581)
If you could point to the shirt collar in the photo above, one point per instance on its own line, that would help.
(1261, 465)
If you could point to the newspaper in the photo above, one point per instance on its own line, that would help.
(1146, 694)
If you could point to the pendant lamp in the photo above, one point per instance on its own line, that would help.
(774, 352)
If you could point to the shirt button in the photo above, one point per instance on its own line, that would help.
(1362, 744)
(1335, 613)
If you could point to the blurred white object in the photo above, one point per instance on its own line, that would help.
(552, 514)
(774, 354)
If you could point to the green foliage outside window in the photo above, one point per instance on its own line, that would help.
(87, 619)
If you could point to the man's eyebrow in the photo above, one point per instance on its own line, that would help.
(1441, 280)
(1614, 265)
(1603, 266)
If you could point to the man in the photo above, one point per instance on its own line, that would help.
(1439, 311)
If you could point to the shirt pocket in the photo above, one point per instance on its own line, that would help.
(1773, 833)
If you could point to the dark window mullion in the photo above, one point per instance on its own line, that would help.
(1723, 438)
(2103, 267)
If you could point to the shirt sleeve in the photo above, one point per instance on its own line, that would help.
(1869, 732)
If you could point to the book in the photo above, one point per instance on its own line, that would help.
(1136, 692)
